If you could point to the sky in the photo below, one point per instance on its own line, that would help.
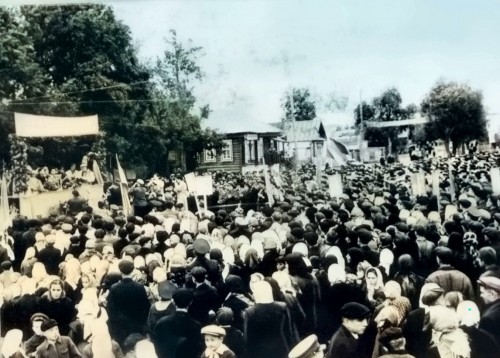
(352, 48)
(349, 48)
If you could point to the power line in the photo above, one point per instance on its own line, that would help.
(109, 101)
(82, 91)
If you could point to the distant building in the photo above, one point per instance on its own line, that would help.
(308, 137)
(247, 145)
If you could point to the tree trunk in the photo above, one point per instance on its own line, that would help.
(447, 147)
(183, 158)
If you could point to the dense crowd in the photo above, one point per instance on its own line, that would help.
(377, 272)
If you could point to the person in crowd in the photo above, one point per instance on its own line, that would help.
(55, 344)
(309, 347)
(165, 306)
(345, 341)
(214, 336)
(489, 286)
(127, 305)
(393, 343)
(37, 338)
(56, 305)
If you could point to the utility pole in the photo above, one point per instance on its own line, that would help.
(292, 108)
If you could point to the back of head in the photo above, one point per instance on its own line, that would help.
(183, 298)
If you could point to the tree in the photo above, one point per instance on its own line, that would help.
(173, 110)
(304, 108)
(456, 114)
(386, 107)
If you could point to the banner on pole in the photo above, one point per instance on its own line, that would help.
(127, 207)
(335, 186)
(269, 190)
(204, 185)
(29, 125)
(191, 182)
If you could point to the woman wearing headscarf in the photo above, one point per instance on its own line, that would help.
(482, 344)
(387, 317)
(12, 346)
(374, 284)
(411, 283)
(56, 305)
(309, 292)
(449, 339)
(238, 299)
(72, 279)
(266, 325)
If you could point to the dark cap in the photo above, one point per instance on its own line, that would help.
(166, 289)
(201, 246)
(305, 348)
(48, 324)
(126, 267)
(354, 310)
(39, 317)
(183, 297)
(390, 334)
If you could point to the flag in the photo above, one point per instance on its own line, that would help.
(5, 219)
(336, 151)
(127, 207)
(97, 173)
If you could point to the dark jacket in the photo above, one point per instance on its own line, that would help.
(372, 256)
(178, 336)
(343, 344)
(482, 343)
(450, 279)
(64, 348)
(267, 330)
(128, 308)
(205, 299)
(490, 320)
(51, 258)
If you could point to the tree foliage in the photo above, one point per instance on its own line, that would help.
(80, 60)
(456, 114)
(386, 107)
(304, 108)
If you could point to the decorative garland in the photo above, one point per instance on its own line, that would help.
(19, 163)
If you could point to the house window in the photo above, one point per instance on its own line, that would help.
(210, 155)
(227, 151)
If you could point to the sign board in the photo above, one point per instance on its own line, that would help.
(191, 182)
(495, 180)
(29, 125)
(335, 186)
(204, 185)
(251, 137)
(418, 184)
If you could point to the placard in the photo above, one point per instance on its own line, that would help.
(190, 179)
(204, 185)
(495, 180)
(335, 186)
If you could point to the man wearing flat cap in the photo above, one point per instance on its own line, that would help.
(309, 347)
(489, 288)
(38, 338)
(55, 345)
(344, 342)
(214, 336)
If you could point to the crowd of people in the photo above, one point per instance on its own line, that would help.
(376, 272)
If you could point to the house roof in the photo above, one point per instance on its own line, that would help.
(305, 131)
(238, 124)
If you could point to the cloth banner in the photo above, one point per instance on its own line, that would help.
(29, 125)
(41, 204)
(418, 184)
(127, 207)
(495, 180)
(335, 186)
(97, 173)
(204, 185)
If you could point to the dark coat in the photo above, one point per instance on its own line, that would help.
(343, 344)
(267, 330)
(51, 258)
(490, 320)
(417, 339)
(178, 336)
(309, 298)
(205, 299)
(128, 308)
(62, 310)
(482, 343)
(214, 273)
(64, 348)
(235, 341)
(372, 256)
(450, 279)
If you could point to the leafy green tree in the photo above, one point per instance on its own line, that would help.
(387, 107)
(304, 108)
(456, 114)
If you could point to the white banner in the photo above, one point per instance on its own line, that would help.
(29, 125)
(335, 186)
(190, 179)
(495, 180)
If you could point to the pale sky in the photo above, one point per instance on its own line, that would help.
(351, 48)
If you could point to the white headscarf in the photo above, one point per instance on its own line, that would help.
(336, 273)
(263, 292)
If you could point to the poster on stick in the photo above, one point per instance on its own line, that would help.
(191, 182)
(335, 186)
(204, 185)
